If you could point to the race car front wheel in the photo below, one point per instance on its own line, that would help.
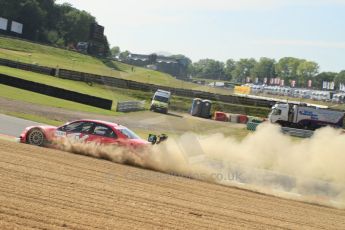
(36, 137)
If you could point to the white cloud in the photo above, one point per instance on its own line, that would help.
(302, 43)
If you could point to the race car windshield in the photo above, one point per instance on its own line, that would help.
(161, 99)
(129, 133)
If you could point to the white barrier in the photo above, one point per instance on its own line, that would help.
(130, 106)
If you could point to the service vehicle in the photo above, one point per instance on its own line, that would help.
(305, 117)
(160, 101)
(97, 131)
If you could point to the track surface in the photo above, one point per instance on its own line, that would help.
(48, 189)
(13, 126)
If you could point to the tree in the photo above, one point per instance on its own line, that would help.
(209, 68)
(230, 66)
(243, 69)
(185, 63)
(124, 55)
(115, 51)
(264, 68)
(306, 70)
(340, 78)
(75, 25)
(324, 76)
(287, 68)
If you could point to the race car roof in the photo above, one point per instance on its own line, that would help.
(112, 124)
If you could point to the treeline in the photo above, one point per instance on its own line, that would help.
(287, 68)
(48, 22)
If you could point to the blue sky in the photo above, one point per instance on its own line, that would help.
(222, 29)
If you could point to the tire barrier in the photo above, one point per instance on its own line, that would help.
(220, 116)
(56, 92)
(233, 118)
(243, 119)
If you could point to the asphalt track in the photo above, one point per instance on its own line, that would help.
(12, 126)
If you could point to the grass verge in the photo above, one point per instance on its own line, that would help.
(36, 98)
(36, 118)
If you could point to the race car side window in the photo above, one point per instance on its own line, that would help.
(77, 127)
(102, 130)
(87, 127)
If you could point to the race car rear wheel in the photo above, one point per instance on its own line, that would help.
(35, 137)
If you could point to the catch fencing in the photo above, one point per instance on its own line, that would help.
(130, 106)
(28, 67)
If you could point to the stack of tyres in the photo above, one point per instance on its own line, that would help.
(233, 118)
(220, 116)
(243, 119)
(196, 107)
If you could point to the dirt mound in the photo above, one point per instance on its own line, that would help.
(43, 188)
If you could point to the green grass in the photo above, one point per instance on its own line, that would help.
(40, 99)
(117, 94)
(27, 52)
(36, 118)
(81, 87)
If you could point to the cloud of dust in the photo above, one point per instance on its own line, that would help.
(265, 161)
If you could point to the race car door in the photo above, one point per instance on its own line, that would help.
(103, 134)
(78, 131)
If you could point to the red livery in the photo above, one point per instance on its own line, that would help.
(101, 132)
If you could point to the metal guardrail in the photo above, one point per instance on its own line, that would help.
(303, 133)
(130, 106)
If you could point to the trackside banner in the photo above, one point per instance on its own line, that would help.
(242, 90)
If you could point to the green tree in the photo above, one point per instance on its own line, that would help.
(115, 51)
(306, 70)
(286, 68)
(243, 69)
(27, 12)
(264, 68)
(340, 78)
(185, 62)
(324, 76)
(75, 25)
(230, 66)
(124, 55)
(209, 68)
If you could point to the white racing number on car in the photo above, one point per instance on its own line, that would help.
(60, 133)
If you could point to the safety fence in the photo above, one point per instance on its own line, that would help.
(130, 106)
(56, 92)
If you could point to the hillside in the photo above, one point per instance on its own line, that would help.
(28, 52)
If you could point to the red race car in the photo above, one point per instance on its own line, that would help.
(101, 132)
